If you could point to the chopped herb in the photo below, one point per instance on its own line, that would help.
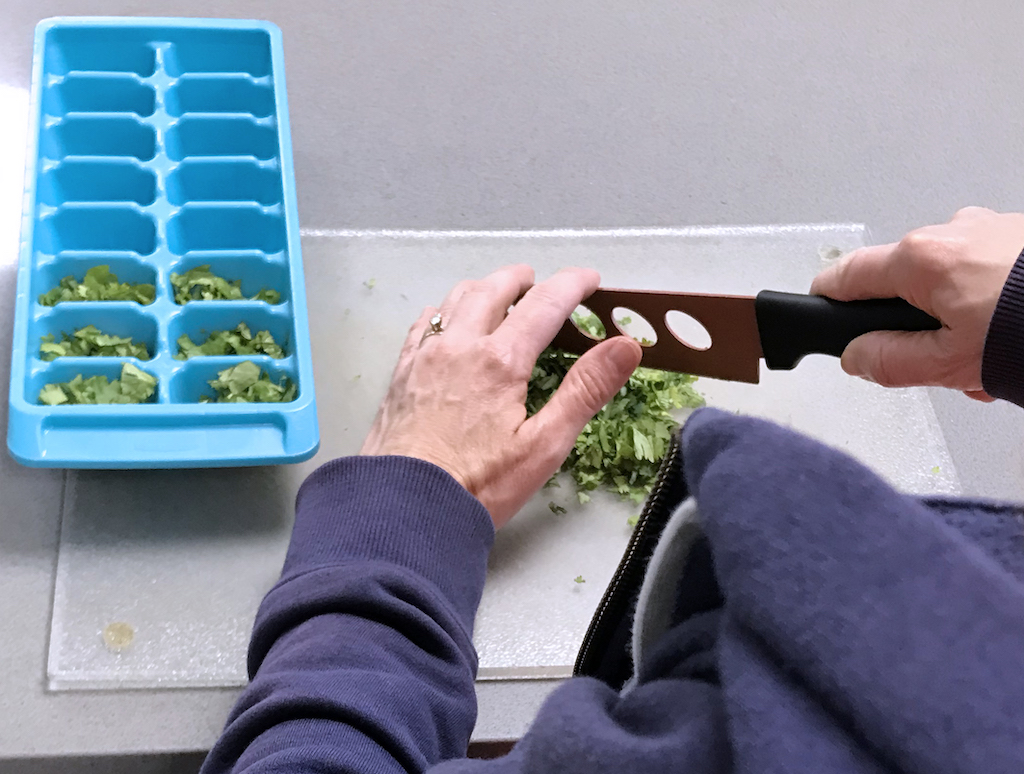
(583, 497)
(134, 386)
(556, 508)
(936, 470)
(245, 383)
(625, 320)
(621, 447)
(578, 579)
(90, 342)
(99, 284)
(201, 284)
(370, 283)
(632, 520)
(240, 341)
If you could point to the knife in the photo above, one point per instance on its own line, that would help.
(780, 327)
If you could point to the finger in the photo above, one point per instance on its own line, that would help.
(414, 338)
(592, 381)
(484, 304)
(898, 359)
(535, 320)
(979, 395)
(864, 273)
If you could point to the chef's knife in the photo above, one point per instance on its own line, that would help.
(779, 327)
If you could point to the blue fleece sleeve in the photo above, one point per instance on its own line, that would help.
(361, 657)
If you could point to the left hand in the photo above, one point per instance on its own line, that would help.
(457, 399)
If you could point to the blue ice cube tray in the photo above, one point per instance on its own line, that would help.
(159, 145)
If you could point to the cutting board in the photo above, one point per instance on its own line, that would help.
(160, 572)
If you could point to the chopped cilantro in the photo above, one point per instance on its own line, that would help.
(556, 508)
(619, 449)
(240, 341)
(90, 342)
(371, 283)
(134, 386)
(201, 284)
(578, 579)
(99, 284)
(245, 383)
(936, 470)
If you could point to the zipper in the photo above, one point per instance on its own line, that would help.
(668, 491)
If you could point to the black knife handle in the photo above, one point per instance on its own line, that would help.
(792, 325)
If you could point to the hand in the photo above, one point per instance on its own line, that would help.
(457, 399)
(955, 272)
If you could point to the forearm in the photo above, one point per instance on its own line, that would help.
(361, 657)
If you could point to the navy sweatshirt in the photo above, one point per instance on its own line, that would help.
(847, 628)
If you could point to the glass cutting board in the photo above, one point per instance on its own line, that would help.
(159, 573)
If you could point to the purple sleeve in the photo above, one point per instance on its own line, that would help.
(1002, 366)
(361, 657)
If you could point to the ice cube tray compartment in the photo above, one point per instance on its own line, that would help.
(126, 320)
(64, 369)
(99, 135)
(100, 93)
(97, 180)
(192, 380)
(255, 272)
(221, 94)
(117, 229)
(160, 145)
(203, 180)
(205, 135)
(198, 320)
(225, 228)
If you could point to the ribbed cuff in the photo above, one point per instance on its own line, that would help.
(400, 510)
(1002, 365)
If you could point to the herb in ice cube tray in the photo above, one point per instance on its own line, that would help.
(90, 341)
(99, 284)
(245, 383)
(240, 341)
(134, 386)
(619, 449)
(201, 284)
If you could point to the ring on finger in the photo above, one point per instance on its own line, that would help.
(436, 327)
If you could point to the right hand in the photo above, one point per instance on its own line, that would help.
(954, 272)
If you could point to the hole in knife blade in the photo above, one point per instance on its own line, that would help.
(689, 330)
(633, 324)
(588, 323)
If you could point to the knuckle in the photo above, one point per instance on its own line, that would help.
(931, 255)
(917, 243)
(972, 211)
(499, 358)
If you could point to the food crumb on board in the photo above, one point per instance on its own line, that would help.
(579, 579)
(118, 635)
(829, 253)
(936, 470)
(370, 283)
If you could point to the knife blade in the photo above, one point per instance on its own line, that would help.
(779, 327)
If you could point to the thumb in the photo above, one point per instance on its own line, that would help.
(590, 384)
(896, 359)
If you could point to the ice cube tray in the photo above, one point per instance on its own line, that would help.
(159, 145)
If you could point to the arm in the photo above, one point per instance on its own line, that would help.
(958, 272)
(361, 657)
